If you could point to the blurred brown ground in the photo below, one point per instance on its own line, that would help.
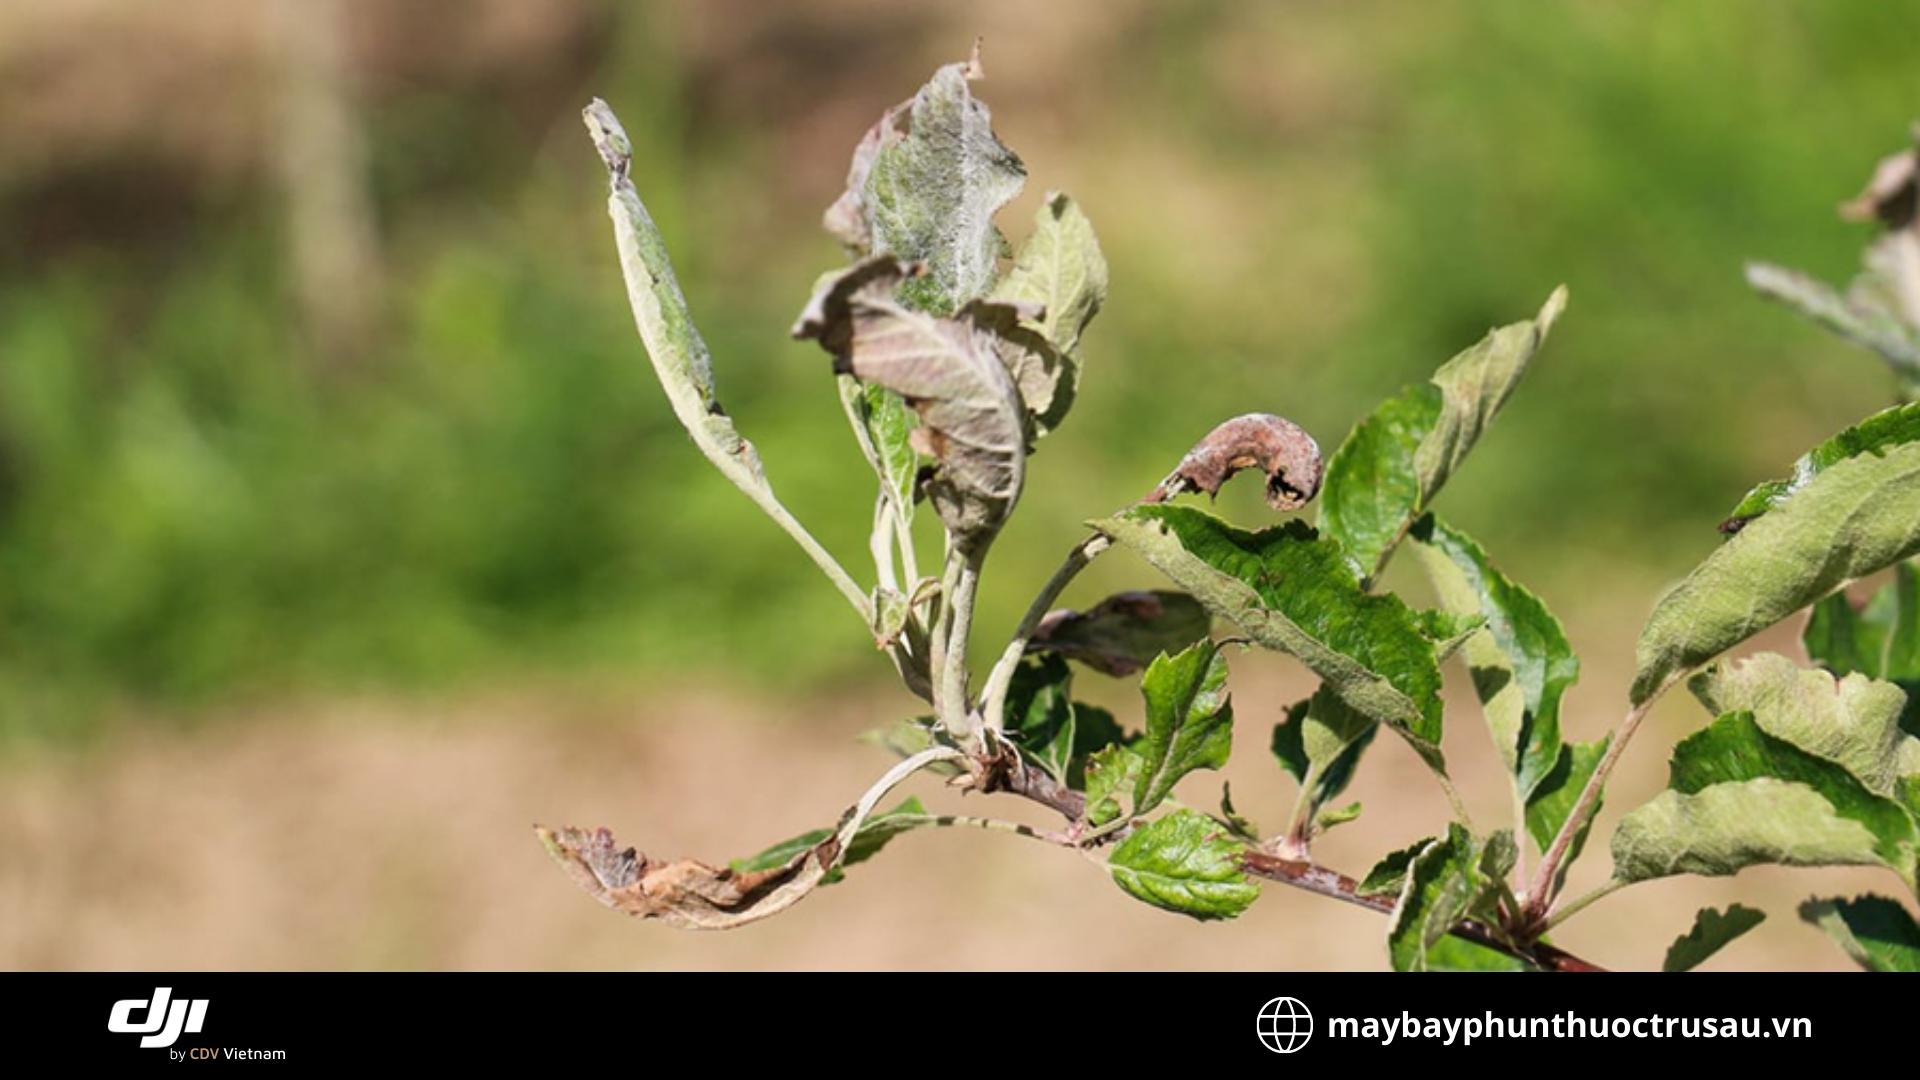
(395, 835)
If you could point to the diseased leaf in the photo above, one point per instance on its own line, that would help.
(872, 836)
(1856, 517)
(1122, 633)
(674, 345)
(1551, 803)
(1292, 591)
(971, 420)
(1712, 931)
(1273, 444)
(1734, 748)
(1442, 884)
(1522, 665)
(924, 186)
(1185, 862)
(1853, 722)
(693, 895)
(1396, 460)
(1725, 828)
(1061, 272)
(1875, 435)
(1860, 316)
(1189, 721)
(1877, 932)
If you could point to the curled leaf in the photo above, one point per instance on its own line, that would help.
(924, 185)
(1120, 635)
(694, 895)
(679, 354)
(688, 894)
(971, 421)
(1275, 445)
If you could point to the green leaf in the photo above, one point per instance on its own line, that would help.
(1712, 931)
(1327, 819)
(1292, 591)
(873, 835)
(1319, 744)
(1369, 497)
(1442, 883)
(1039, 716)
(1875, 435)
(1880, 641)
(1109, 773)
(1189, 721)
(1396, 460)
(883, 425)
(1853, 722)
(971, 420)
(1458, 954)
(925, 184)
(1389, 875)
(1061, 272)
(1877, 932)
(1185, 862)
(1122, 633)
(1856, 517)
(1553, 801)
(1522, 665)
(1056, 733)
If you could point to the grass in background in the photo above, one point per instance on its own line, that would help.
(1305, 208)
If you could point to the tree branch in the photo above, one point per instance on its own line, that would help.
(1015, 775)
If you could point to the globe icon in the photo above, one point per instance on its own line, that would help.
(1285, 1025)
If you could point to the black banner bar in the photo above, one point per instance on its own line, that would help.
(1070, 1020)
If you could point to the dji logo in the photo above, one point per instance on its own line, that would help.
(163, 1025)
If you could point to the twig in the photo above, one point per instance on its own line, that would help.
(1541, 888)
(1011, 773)
(1338, 886)
(993, 698)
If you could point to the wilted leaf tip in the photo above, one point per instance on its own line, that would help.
(608, 137)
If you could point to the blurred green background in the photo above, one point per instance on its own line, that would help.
(316, 375)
